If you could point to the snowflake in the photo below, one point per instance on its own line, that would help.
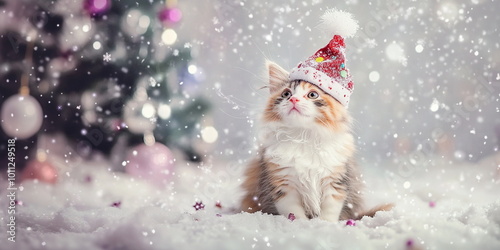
(106, 57)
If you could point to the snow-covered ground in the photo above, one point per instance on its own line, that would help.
(449, 206)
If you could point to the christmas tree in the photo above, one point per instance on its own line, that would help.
(107, 74)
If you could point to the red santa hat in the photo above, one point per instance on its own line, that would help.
(327, 67)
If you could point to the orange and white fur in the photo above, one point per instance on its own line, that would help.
(305, 164)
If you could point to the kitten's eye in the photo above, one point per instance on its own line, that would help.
(313, 95)
(287, 93)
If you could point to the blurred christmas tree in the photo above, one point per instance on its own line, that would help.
(108, 74)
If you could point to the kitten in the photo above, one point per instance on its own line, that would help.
(306, 161)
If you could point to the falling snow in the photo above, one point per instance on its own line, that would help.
(426, 112)
(106, 57)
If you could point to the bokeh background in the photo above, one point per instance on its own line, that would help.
(149, 111)
(426, 73)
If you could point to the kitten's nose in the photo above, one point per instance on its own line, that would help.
(294, 100)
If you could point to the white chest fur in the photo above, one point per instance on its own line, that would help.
(310, 156)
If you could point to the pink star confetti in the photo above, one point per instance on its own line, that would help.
(432, 204)
(116, 204)
(350, 223)
(218, 205)
(291, 216)
(199, 206)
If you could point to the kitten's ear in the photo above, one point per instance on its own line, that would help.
(278, 77)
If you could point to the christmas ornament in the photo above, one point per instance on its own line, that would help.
(170, 15)
(350, 223)
(199, 206)
(42, 171)
(21, 116)
(326, 68)
(291, 216)
(96, 6)
(154, 163)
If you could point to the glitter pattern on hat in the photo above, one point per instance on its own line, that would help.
(327, 67)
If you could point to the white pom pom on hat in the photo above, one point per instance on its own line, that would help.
(326, 68)
(337, 22)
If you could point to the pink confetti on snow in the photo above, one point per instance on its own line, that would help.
(116, 204)
(199, 206)
(350, 223)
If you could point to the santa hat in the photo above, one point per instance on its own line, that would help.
(326, 68)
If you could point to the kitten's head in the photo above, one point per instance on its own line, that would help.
(302, 104)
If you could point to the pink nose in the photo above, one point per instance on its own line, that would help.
(294, 100)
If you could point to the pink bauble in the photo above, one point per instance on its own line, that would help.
(96, 6)
(154, 163)
(39, 170)
(170, 15)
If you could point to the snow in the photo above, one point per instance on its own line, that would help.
(436, 208)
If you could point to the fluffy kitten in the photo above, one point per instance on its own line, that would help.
(305, 165)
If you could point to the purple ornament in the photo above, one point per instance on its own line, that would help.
(42, 171)
(170, 15)
(291, 216)
(154, 163)
(97, 6)
(350, 223)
